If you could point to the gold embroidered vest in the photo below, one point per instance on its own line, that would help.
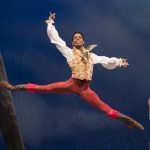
(81, 65)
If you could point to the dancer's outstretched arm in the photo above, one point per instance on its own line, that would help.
(109, 63)
(55, 38)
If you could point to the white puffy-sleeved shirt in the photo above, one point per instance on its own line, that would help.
(106, 62)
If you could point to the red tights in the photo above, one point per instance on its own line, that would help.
(79, 87)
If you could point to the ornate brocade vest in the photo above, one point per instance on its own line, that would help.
(81, 65)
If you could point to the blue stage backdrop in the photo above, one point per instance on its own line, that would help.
(66, 122)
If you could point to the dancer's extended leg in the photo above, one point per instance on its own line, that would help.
(91, 97)
(58, 87)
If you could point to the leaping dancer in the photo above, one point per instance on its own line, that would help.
(81, 61)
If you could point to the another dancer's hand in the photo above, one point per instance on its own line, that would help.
(124, 63)
(51, 16)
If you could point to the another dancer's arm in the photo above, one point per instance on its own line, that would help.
(109, 63)
(55, 38)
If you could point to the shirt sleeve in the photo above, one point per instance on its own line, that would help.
(106, 62)
(55, 39)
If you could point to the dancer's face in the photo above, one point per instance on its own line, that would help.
(78, 40)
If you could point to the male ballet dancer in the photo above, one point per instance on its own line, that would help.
(80, 61)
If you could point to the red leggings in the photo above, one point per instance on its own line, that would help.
(79, 87)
